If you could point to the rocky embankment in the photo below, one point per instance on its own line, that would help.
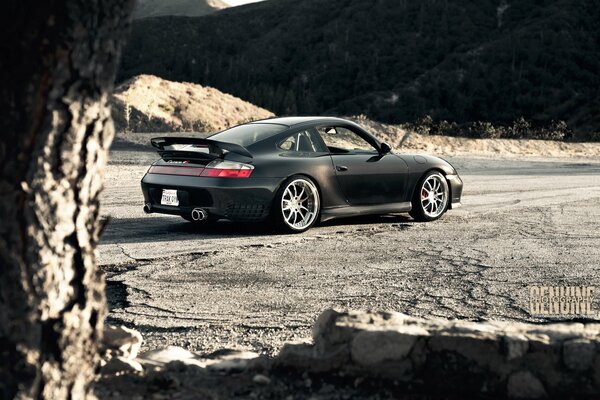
(392, 351)
(148, 103)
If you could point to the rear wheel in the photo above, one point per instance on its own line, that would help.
(431, 197)
(297, 205)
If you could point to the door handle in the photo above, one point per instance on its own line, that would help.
(341, 168)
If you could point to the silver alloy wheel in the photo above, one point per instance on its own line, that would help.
(300, 204)
(434, 196)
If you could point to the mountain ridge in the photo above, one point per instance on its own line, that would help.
(395, 61)
(189, 8)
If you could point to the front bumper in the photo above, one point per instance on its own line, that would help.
(242, 200)
(456, 188)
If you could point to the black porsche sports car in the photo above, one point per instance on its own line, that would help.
(295, 171)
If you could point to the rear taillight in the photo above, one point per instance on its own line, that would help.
(215, 169)
(175, 170)
(227, 169)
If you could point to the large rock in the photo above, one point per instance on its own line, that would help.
(121, 365)
(524, 385)
(579, 354)
(167, 355)
(224, 360)
(121, 341)
(499, 359)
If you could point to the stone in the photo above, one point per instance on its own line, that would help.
(261, 379)
(465, 328)
(167, 355)
(495, 357)
(323, 323)
(524, 385)
(515, 346)
(174, 357)
(175, 366)
(326, 327)
(121, 341)
(119, 364)
(232, 361)
(231, 354)
(301, 356)
(374, 347)
(479, 351)
(578, 354)
(560, 331)
(597, 370)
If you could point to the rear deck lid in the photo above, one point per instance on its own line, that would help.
(196, 150)
(199, 157)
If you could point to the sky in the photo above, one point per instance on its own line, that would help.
(240, 2)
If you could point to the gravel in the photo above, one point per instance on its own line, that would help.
(523, 222)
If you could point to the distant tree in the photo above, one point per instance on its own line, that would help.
(289, 103)
(56, 71)
(544, 58)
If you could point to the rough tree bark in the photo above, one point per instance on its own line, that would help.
(57, 64)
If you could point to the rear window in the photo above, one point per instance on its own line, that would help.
(246, 135)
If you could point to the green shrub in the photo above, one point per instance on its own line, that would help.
(519, 129)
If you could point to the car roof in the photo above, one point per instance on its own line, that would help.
(292, 121)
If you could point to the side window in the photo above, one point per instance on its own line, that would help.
(343, 140)
(289, 144)
(302, 142)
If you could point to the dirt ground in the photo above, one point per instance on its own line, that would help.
(524, 221)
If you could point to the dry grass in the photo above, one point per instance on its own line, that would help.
(403, 140)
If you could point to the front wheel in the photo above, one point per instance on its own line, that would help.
(297, 205)
(431, 197)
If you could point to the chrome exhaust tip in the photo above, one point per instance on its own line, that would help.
(199, 214)
(147, 208)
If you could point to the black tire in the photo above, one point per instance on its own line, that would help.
(311, 207)
(424, 212)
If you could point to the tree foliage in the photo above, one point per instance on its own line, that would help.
(394, 60)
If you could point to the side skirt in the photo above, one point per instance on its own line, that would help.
(353, 211)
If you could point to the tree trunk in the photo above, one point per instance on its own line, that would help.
(57, 64)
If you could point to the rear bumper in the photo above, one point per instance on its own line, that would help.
(243, 200)
(456, 188)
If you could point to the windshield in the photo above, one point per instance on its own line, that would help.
(246, 135)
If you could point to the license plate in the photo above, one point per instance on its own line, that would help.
(169, 198)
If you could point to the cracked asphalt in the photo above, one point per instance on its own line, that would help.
(523, 222)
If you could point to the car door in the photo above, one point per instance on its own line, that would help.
(366, 176)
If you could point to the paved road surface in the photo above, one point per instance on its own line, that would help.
(524, 222)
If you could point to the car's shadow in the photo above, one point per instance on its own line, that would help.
(156, 229)
(369, 220)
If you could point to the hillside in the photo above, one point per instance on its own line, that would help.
(149, 104)
(190, 8)
(395, 61)
(404, 139)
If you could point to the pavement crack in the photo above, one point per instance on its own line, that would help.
(126, 254)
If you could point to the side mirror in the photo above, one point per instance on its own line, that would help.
(385, 148)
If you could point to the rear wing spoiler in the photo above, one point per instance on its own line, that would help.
(174, 148)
